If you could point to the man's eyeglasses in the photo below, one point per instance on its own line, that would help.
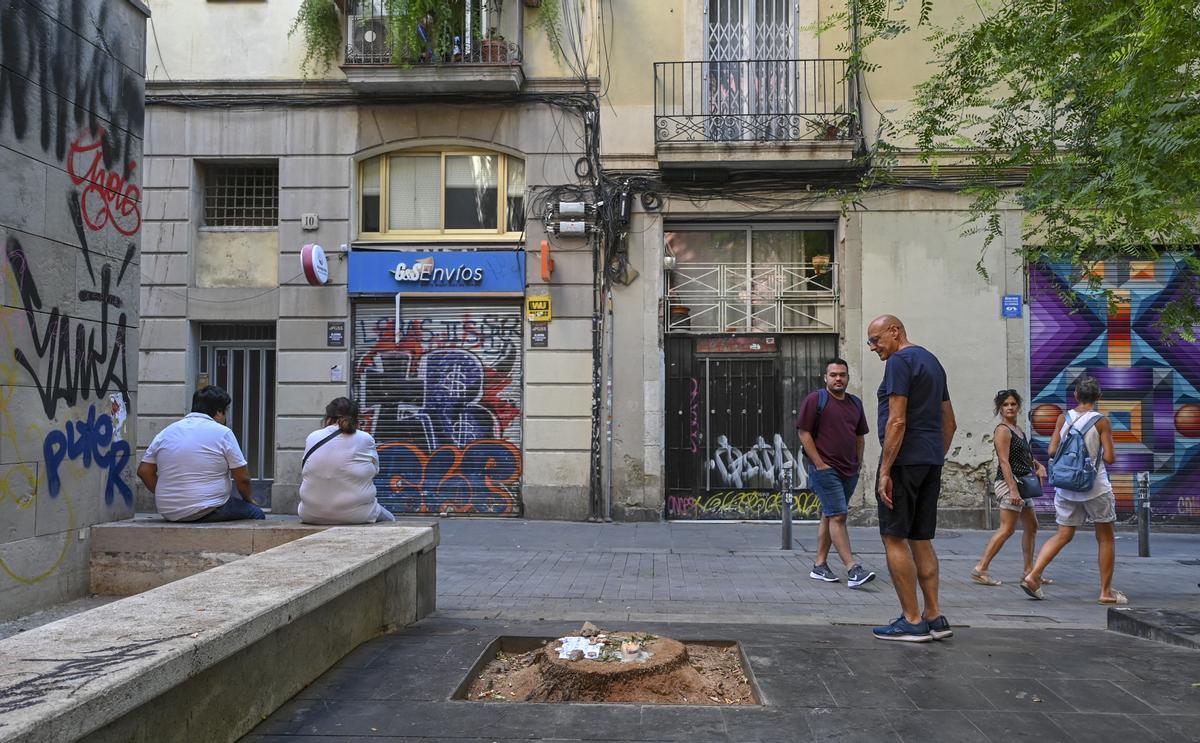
(873, 340)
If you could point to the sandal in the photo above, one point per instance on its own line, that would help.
(1030, 591)
(1047, 581)
(982, 578)
(1118, 599)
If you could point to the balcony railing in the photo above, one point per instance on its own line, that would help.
(736, 298)
(369, 42)
(756, 100)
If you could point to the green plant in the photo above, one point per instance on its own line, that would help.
(320, 23)
(421, 30)
(550, 21)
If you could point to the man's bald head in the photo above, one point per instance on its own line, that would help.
(886, 335)
(883, 322)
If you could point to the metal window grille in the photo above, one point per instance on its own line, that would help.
(241, 195)
(211, 332)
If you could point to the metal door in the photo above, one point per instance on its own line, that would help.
(1151, 385)
(732, 402)
(241, 360)
(440, 389)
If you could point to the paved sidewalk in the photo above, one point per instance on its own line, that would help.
(1015, 668)
(689, 572)
(818, 684)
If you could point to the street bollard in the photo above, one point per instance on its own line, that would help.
(1143, 511)
(785, 485)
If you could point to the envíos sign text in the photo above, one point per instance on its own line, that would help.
(426, 269)
(390, 272)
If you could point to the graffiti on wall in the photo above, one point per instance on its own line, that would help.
(760, 466)
(442, 398)
(742, 504)
(67, 104)
(1151, 386)
(52, 41)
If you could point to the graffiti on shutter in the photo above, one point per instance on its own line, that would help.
(1150, 386)
(442, 397)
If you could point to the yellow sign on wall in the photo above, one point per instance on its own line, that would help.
(537, 309)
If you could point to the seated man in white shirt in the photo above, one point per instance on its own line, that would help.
(188, 465)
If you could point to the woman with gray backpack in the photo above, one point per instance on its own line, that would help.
(1080, 448)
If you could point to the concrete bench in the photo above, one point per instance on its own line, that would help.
(206, 657)
(147, 551)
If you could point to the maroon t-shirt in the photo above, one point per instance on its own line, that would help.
(842, 422)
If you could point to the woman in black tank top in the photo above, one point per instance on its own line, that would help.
(1015, 459)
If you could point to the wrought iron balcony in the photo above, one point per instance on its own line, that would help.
(461, 58)
(756, 100)
(737, 298)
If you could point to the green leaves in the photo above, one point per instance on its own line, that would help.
(321, 25)
(1096, 107)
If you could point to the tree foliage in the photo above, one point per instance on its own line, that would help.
(1094, 107)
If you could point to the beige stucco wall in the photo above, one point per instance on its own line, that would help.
(236, 259)
(317, 150)
(915, 263)
(197, 40)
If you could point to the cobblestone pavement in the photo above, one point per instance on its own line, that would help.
(706, 572)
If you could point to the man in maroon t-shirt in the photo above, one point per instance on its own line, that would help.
(832, 428)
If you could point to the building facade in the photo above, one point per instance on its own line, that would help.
(588, 274)
(71, 116)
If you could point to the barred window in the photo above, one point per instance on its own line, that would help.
(241, 195)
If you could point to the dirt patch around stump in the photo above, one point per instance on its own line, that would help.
(700, 672)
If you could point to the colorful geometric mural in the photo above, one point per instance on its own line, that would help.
(1151, 387)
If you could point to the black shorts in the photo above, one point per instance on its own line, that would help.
(915, 490)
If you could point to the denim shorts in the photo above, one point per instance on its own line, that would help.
(833, 489)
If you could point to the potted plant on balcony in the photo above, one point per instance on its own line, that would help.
(418, 30)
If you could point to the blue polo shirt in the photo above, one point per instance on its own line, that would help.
(916, 374)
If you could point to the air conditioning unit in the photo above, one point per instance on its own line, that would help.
(367, 39)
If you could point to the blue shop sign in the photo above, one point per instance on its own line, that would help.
(1011, 305)
(450, 272)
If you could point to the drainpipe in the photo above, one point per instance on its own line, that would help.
(612, 339)
(859, 84)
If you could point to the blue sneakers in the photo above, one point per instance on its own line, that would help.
(905, 631)
(939, 628)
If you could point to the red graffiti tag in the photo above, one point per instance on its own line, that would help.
(108, 196)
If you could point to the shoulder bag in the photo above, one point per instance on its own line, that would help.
(318, 445)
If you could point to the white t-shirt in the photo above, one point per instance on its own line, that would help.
(194, 456)
(1091, 439)
(337, 484)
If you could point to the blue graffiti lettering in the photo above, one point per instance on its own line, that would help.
(89, 440)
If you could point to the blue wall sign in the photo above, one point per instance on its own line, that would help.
(1011, 306)
(451, 272)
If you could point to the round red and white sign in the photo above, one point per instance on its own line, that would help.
(315, 265)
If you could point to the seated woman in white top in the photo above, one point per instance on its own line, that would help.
(337, 479)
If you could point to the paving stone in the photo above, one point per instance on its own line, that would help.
(1098, 696)
(1086, 727)
(923, 726)
(1004, 727)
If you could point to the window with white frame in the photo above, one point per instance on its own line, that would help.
(430, 192)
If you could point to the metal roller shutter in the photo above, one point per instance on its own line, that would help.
(1151, 386)
(443, 401)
